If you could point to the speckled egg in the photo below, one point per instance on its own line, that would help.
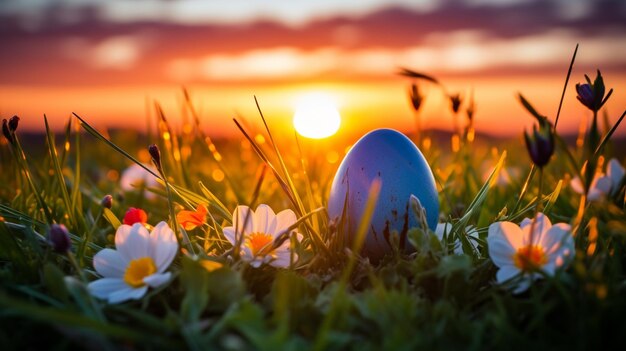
(389, 156)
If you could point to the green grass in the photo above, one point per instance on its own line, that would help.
(332, 298)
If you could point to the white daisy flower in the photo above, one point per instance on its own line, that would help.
(446, 228)
(256, 231)
(139, 262)
(602, 184)
(136, 177)
(515, 249)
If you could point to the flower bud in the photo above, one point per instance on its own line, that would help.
(135, 215)
(455, 102)
(592, 94)
(13, 122)
(585, 95)
(419, 210)
(59, 238)
(156, 155)
(107, 201)
(5, 130)
(540, 144)
(416, 97)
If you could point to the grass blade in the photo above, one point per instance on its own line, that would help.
(569, 72)
(58, 173)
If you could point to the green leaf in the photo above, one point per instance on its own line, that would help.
(476, 206)
(83, 299)
(111, 218)
(452, 264)
(195, 281)
(53, 279)
(248, 319)
(63, 317)
(412, 74)
(608, 135)
(58, 172)
(21, 268)
(540, 118)
(289, 293)
(225, 288)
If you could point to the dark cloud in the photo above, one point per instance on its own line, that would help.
(42, 52)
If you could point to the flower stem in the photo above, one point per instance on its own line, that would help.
(579, 216)
(182, 236)
(538, 206)
(87, 238)
(418, 128)
(74, 263)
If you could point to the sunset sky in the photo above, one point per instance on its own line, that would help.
(106, 59)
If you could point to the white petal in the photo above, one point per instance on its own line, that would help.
(539, 228)
(443, 228)
(110, 264)
(549, 268)
(523, 284)
(542, 222)
(554, 237)
(602, 184)
(283, 259)
(256, 263)
(103, 288)
(503, 238)
(127, 294)
(229, 233)
(163, 246)
(284, 220)
(505, 273)
(264, 220)
(616, 172)
(471, 231)
(563, 254)
(132, 242)
(134, 175)
(243, 219)
(157, 279)
(577, 185)
(594, 194)
(246, 254)
(500, 251)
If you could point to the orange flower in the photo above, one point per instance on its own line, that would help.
(191, 219)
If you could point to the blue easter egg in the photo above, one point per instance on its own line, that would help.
(389, 156)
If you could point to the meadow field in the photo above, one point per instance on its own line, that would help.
(167, 239)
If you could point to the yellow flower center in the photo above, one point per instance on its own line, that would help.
(530, 257)
(259, 243)
(137, 270)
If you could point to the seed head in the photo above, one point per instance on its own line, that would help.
(455, 102)
(416, 97)
(156, 155)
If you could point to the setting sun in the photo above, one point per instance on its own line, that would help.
(316, 116)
